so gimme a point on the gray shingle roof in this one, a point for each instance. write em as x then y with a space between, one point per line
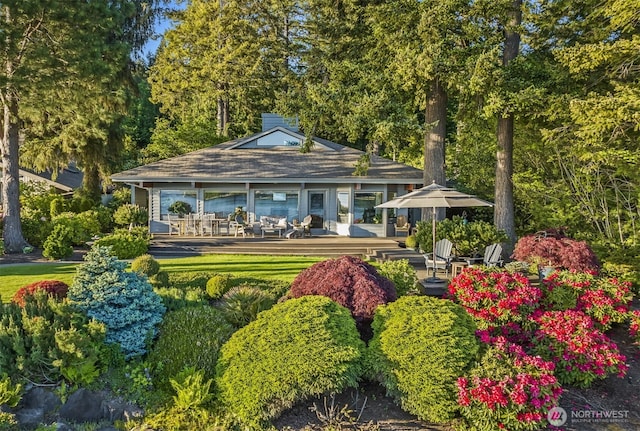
229 162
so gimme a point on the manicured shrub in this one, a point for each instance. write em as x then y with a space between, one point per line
145 264
495 297
125 244
411 242
218 285
189 337
508 389
83 226
402 274
58 243
553 248
56 289
350 282
241 304
421 345
606 300
581 353
298 349
124 301
161 279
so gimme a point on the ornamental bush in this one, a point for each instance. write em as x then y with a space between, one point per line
553 248
241 304
125 244
83 225
218 285
421 345
174 298
634 326
189 337
605 299
402 274
54 288
298 349
350 282
145 264
58 243
124 301
469 239
47 339
581 353
495 297
508 389
130 215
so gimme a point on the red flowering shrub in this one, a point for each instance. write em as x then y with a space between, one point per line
349 281
634 325
581 352
606 300
55 288
553 248
495 297
508 389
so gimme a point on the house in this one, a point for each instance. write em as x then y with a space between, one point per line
267 175
65 182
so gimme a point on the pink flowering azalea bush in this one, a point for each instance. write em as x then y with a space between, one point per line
606 300
634 325
495 297
553 248
581 353
508 389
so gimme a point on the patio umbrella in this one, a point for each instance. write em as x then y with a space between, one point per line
435 196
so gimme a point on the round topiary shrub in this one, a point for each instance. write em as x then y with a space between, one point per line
420 346
124 301
145 264
350 282
218 285
189 337
241 304
54 288
298 349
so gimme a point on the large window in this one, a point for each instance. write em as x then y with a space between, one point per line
343 207
365 210
278 204
225 203
168 197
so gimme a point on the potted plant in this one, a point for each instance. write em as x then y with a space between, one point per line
180 207
552 249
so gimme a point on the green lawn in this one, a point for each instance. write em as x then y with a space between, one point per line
250 266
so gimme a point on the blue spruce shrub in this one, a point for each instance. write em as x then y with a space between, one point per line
298 349
420 346
124 301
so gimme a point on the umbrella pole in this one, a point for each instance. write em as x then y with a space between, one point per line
433 236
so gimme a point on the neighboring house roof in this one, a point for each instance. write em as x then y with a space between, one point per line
272 156
67 180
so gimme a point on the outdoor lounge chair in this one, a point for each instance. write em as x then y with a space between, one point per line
306 225
492 256
402 225
240 227
174 225
441 258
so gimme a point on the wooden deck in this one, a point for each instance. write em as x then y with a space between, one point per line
380 249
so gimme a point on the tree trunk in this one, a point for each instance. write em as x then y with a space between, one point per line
12 233
436 123
91 184
504 214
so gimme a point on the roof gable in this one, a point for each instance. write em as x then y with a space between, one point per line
276 137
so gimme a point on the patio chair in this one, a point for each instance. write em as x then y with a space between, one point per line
192 224
441 257
402 225
174 225
240 227
492 256
306 225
